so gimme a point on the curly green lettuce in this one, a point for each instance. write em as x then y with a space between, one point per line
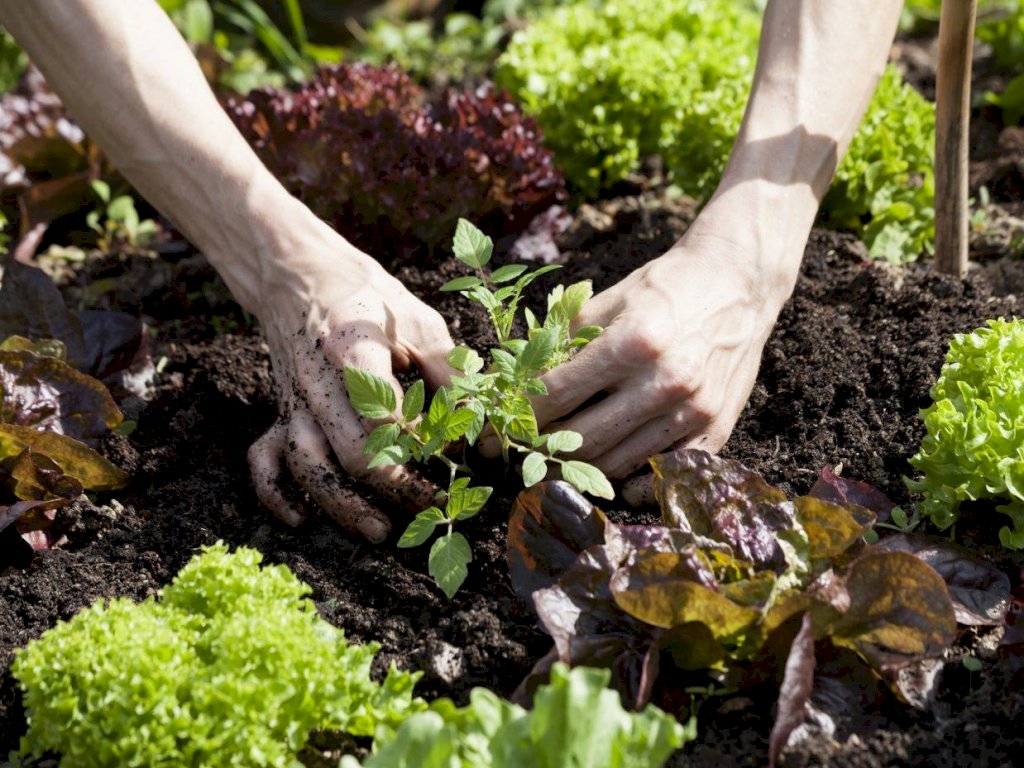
974 446
613 82
231 666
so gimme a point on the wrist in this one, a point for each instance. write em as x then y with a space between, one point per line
758 231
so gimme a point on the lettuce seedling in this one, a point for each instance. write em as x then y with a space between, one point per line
498 397
229 666
975 426
576 721
736 585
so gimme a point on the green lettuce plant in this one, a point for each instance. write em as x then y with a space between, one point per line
229 666
975 429
613 82
497 396
576 722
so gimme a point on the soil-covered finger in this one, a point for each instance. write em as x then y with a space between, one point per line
266 464
311 461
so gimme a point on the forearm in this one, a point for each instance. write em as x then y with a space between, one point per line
818 65
127 76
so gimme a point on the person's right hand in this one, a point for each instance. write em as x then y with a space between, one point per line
323 309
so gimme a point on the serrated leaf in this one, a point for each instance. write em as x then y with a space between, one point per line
535 468
421 527
504 363
586 334
382 437
472 247
412 403
459 423
370 395
75 459
447 562
507 272
537 353
535 387
463 503
463 283
479 419
564 441
520 421
393 454
587 479
575 297
464 359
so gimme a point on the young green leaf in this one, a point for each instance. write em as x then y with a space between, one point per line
535 468
459 423
537 353
382 437
572 301
447 562
535 387
587 333
479 412
464 359
587 478
508 272
412 404
472 247
463 283
466 502
370 395
421 527
564 441
393 454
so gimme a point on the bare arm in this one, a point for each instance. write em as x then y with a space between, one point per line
125 73
685 332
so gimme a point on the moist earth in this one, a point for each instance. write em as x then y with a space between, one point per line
842 379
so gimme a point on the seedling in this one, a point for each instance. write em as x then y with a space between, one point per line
498 397
116 220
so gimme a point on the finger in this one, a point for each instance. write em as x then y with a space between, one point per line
652 438
572 383
346 434
621 413
310 460
266 459
430 352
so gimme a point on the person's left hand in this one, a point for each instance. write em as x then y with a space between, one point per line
676 362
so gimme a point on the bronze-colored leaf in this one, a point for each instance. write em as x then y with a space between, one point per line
842 490
550 524
31 475
47 394
43 347
899 610
692 646
831 528
667 589
795 693
980 591
722 500
75 459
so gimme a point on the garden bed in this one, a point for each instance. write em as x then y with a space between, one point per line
841 382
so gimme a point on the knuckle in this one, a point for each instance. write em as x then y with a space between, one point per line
676 383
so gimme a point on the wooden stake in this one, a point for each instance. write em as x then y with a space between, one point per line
952 121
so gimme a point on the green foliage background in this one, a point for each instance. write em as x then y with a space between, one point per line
615 82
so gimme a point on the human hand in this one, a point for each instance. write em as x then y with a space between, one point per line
337 307
676 362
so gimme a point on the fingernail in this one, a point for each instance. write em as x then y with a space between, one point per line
373 529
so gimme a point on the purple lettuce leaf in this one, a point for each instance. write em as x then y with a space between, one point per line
979 590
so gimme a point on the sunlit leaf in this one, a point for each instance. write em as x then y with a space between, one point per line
449 557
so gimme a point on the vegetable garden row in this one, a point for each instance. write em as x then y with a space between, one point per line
840 586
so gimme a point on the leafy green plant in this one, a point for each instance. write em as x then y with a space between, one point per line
242 48
230 666
117 222
975 426
613 82
576 722
12 61
737 584
466 48
498 397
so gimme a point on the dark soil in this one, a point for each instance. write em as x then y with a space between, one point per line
842 379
